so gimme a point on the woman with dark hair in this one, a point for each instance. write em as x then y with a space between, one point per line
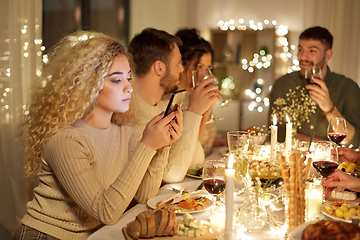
197 54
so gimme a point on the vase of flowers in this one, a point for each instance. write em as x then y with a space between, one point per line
297 104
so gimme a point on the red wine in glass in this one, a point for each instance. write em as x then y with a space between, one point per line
214 178
325 168
336 137
214 185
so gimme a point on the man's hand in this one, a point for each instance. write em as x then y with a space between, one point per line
320 94
347 154
203 96
340 179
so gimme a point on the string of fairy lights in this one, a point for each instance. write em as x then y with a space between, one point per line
31 48
261 59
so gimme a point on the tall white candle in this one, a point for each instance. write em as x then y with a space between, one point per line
230 179
288 136
274 130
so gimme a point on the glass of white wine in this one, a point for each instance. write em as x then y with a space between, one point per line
238 143
197 77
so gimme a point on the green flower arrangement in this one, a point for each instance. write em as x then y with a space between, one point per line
297 105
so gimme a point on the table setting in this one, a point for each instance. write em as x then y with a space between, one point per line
251 190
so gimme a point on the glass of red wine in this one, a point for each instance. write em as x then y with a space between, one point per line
336 131
214 178
326 159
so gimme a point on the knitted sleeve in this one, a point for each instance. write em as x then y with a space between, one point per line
151 182
72 163
182 151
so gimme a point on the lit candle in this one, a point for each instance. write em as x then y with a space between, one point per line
288 136
274 130
230 179
313 200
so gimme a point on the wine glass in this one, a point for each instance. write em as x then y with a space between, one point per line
238 143
326 159
336 130
197 77
214 178
314 73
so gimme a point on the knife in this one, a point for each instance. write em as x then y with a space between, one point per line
200 186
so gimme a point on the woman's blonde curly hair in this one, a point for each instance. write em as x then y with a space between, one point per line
72 80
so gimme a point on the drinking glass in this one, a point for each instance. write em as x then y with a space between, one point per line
214 178
314 199
314 73
197 77
325 161
336 131
253 214
238 143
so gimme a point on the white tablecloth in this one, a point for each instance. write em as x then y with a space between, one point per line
110 232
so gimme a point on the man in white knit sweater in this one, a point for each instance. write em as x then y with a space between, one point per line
158 66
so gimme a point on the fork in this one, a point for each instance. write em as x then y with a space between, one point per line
182 190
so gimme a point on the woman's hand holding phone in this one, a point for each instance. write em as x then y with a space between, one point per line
163 131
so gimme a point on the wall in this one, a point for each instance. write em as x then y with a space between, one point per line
204 14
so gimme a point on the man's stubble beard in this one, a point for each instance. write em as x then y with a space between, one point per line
321 63
168 82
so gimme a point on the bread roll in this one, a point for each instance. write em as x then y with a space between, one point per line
150 220
149 223
141 217
161 221
172 223
134 229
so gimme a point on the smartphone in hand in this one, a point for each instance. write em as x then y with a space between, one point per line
175 101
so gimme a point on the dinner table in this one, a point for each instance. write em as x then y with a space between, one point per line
191 184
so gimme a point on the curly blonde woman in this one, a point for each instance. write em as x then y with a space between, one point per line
88 170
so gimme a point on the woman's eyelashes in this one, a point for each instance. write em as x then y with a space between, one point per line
116 81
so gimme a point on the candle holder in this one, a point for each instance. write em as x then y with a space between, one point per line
217 221
313 198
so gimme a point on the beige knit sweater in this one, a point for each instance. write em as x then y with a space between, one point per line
89 176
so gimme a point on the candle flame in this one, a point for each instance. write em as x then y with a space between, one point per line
274 120
231 161
287 118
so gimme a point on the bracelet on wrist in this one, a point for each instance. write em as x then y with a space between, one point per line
332 109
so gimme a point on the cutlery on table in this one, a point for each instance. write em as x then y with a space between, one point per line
200 186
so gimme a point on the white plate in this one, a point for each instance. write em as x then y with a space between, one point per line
193 176
332 217
153 201
296 233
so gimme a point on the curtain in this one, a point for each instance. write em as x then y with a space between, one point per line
20 64
342 19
